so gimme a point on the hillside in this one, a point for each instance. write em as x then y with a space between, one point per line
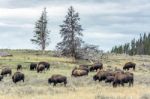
36 86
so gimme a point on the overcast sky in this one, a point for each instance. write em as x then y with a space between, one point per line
105 22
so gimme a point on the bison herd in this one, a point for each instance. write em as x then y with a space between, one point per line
115 77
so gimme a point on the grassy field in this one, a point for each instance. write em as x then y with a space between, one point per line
36 86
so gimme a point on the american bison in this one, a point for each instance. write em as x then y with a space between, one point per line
1 77
96 67
121 78
57 78
19 67
79 72
33 66
46 64
6 71
129 65
40 68
18 76
102 75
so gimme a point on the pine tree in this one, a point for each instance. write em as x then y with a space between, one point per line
40 37
71 34
140 46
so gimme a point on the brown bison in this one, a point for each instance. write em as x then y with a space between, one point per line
46 64
122 78
129 65
18 76
96 67
102 75
6 71
19 67
33 66
57 79
40 68
79 72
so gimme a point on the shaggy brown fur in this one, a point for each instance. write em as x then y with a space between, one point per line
18 76
57 78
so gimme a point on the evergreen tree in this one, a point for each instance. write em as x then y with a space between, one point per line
40 37
133 47
71 34
140 46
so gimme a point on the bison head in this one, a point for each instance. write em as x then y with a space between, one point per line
95 77
49 80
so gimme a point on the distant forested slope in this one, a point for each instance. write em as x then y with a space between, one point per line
140 46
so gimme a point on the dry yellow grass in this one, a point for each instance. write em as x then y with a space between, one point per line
101 92
36 86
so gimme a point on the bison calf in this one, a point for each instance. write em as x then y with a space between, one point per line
18 76
57 79
6 71
40 68
33 66
19 67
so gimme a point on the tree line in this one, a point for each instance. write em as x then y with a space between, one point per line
141 46
72 44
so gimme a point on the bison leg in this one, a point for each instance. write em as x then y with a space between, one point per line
114 84
99 80
65 82
54 84
134 68
122 84
130 83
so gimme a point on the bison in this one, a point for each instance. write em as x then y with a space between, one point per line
18 76
96 67
79 72
19 67
129 65
40 68
102 75
46 64
33 66
57 78
122 78
6 71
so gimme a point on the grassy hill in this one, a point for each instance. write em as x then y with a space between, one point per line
36 86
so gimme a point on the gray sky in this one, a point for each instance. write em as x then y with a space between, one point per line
105 22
